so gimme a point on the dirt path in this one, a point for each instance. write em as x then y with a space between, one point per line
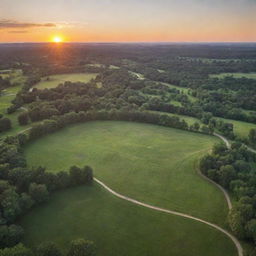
226 195
250 149
223 139
235 241
24 130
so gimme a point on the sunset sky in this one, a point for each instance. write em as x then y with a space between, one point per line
128 20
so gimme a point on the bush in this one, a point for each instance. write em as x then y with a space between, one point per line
5 124
81 247
38 192
48 249
23 118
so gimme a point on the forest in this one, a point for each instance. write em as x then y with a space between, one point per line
166 85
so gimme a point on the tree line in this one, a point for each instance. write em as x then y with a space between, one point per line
22 188
234 169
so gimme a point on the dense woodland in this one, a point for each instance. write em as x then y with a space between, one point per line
234 169
176 82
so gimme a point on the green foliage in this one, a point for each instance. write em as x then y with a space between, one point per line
48 249
234 170
252 136
5 124
81 247
18 250
80 176
23 118
38 192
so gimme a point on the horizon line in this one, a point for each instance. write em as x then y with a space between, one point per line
135 42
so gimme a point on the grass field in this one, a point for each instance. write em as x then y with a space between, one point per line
15 75
120 228
150 163
183 90
55 80
241 129
7 96
137 75
236 75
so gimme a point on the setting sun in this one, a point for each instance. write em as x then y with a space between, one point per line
57 39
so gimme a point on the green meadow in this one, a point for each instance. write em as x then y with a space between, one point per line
236 75
241 128
150 163
182 90
120 228
54 80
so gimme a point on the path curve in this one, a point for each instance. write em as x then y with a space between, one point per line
250 149
227 143
233 238
223 190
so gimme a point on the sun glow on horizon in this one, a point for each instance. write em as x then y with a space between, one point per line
57 39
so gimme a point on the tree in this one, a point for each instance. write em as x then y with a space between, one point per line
252 136
219 148
26 202
18 250
10 204
5 124
15 234
23 118
226 175
81 247
251 229
10 235
236 223
80 176
48 249
38 192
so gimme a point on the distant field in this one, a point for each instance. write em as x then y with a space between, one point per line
5 102
137 75
209 60
120 228
183 90
55 80
6 97
236 75
241 129
150 163
190 120
16 76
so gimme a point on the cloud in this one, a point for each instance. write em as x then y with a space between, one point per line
18 32
9 24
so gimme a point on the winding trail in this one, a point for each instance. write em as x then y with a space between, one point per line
250 149
223 190
223 139
233 238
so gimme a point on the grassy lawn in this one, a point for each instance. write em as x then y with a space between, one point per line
55 80
189 119
6 98
150 163
236 75
15 75
120 228
241 129
183 90
137 75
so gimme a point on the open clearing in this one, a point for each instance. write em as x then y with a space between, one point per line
119 227
153 164
241 129
55 80
236 75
